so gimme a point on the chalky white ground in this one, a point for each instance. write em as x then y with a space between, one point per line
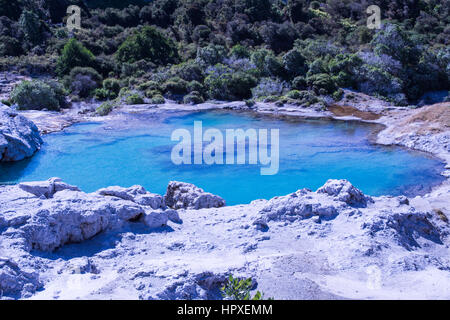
57 242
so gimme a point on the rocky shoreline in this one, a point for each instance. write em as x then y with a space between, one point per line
335 243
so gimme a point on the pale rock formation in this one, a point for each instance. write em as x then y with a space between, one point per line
181 195
19 137
15 281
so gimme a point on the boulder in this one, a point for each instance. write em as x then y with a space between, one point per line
344 191
332 199
300 205
46 188
136 194
16 282
19 137
72 216
156 219
181 195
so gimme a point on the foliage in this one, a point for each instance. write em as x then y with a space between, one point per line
294 63
158 99
134 98
304 45
147 44
269 87
74 54
82 81
30 24
175 85
109 90
193 98
239 289
105 108
10 46
38 95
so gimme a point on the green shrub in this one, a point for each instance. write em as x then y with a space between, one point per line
74 54
239 289
294 63
38 95
158 99
239 51
101 94
294 94
10 46
241 84
210 55
148 85
7 102
195 86
110 89
337 95
249 103
148 44
193 98
152 93
322 83
189 71
271 98
30 24
176 85
82 81
134 98
105 108
299 83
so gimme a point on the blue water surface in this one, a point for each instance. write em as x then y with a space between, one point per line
138 151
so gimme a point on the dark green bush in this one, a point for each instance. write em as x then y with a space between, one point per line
10 46
321 83
193 98
294 63
38 95
195 86
148 44
240 51
30 24
134 98
105 108
158 99
241 84
148 85
176 86
82 81
74 54
239 289
110 89
299 83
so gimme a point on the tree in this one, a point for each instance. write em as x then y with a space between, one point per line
294 63
147 44
295 10
31 26
74 54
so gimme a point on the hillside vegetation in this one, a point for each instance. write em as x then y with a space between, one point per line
296 51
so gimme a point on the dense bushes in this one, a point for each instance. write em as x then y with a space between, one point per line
74 54
105 108
192 50
109 90
82 81
38 95
148 43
